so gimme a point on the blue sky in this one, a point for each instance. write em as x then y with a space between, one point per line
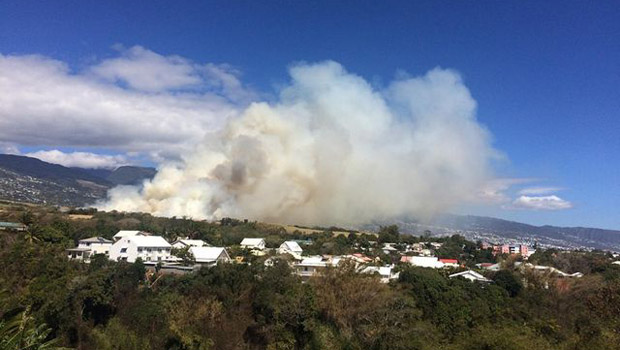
545 75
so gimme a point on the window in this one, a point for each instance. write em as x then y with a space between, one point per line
123 250
140 249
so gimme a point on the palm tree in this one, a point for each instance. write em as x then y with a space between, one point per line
21 333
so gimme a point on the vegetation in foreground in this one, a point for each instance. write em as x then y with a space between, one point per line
49 301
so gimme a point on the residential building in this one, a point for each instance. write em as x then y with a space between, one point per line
511 249
187 243
88 247
386 273
307 241
314 265
358 258
423 261
210 255
548 269
501 249
519 249
449 262
292 248
253 243
147 248
489 266
389 248
471 275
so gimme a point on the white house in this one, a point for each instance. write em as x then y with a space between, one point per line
127 233
385 272
88 247
616 262
148 248
450 263
313 265
389 248
291 247
209 255
186 243
253 243
423 261
550 269
471 275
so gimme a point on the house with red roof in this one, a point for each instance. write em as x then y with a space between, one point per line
450 262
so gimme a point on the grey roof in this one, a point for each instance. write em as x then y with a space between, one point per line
96 240
78 249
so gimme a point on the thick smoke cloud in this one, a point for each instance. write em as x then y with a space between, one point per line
332 150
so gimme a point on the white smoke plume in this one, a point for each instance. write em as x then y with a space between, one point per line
332 150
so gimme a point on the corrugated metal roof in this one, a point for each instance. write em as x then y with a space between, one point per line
207 254
292 246
252 242
95 240
128 233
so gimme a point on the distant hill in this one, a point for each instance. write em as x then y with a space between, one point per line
130 175
499 231
36 168
32 180
124 175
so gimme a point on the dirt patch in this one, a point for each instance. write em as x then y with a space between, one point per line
80 217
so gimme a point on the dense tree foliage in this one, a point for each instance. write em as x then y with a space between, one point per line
109 305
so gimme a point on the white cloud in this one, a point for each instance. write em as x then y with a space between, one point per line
80 159
44 103
146 70
226 79
541 203
494 191
539 190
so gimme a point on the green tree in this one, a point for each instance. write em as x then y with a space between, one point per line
509 281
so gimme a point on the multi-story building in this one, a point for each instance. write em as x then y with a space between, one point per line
88 247
511 249
147 248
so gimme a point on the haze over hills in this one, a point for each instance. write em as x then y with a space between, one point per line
124 175
32 180
29 179
504 231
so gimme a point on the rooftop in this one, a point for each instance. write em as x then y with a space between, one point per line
207 254
252 241
293 246
149 241
95 240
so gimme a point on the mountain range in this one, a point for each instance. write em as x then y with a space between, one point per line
499 231
27 179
